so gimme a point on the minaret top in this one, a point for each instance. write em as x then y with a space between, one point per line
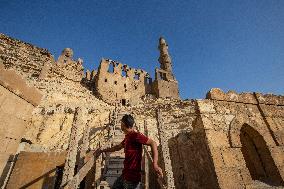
164 59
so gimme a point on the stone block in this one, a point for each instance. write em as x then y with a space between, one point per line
230 178
270 99
216 154
216 94
268 139
277 154
281 171
16 128
279 135
246 177
3 95
4 144
223 107
35 166
252 110
24 110
206 106
17 85
232 157
217 138
12 146
8 105
207 122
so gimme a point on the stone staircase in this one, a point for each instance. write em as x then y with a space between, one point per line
114 161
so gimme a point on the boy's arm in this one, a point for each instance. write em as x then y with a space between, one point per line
154 148
111 149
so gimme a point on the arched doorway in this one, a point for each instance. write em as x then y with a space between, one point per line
258 158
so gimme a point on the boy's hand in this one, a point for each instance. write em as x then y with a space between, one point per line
158 170
98 152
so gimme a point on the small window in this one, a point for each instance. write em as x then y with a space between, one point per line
115 82
148 80
124 85
124 73
105 80
135 87
136 77
123 102
111 68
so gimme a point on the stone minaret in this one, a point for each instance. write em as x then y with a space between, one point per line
165 59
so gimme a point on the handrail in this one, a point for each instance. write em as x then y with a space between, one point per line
81 174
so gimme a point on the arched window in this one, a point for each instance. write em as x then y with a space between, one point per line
258 158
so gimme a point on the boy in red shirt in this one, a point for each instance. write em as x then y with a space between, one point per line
132 144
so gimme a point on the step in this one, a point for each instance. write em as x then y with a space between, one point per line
117 155
116 161
111 180
114 172
104 185
115 166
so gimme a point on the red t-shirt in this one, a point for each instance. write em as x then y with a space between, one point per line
133 155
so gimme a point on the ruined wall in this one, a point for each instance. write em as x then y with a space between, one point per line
17 101
177 118
24 58
65 67
191 161
228 116
59 83
36 170
112 87
165 84
164 89
52 119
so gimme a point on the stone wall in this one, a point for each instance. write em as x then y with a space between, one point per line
228 140
113 87
164 89
24 58
17 101
36 170
245 137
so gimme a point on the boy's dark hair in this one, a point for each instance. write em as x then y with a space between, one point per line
128 120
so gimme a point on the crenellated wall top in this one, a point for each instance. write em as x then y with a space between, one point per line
249 98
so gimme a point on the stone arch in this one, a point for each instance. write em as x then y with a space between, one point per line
235 131
258 157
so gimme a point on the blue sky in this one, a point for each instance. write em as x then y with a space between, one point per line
230 44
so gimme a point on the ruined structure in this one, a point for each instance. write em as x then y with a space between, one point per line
165 85
117 83
52 116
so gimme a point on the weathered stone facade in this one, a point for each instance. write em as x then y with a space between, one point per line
227 140
117 83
